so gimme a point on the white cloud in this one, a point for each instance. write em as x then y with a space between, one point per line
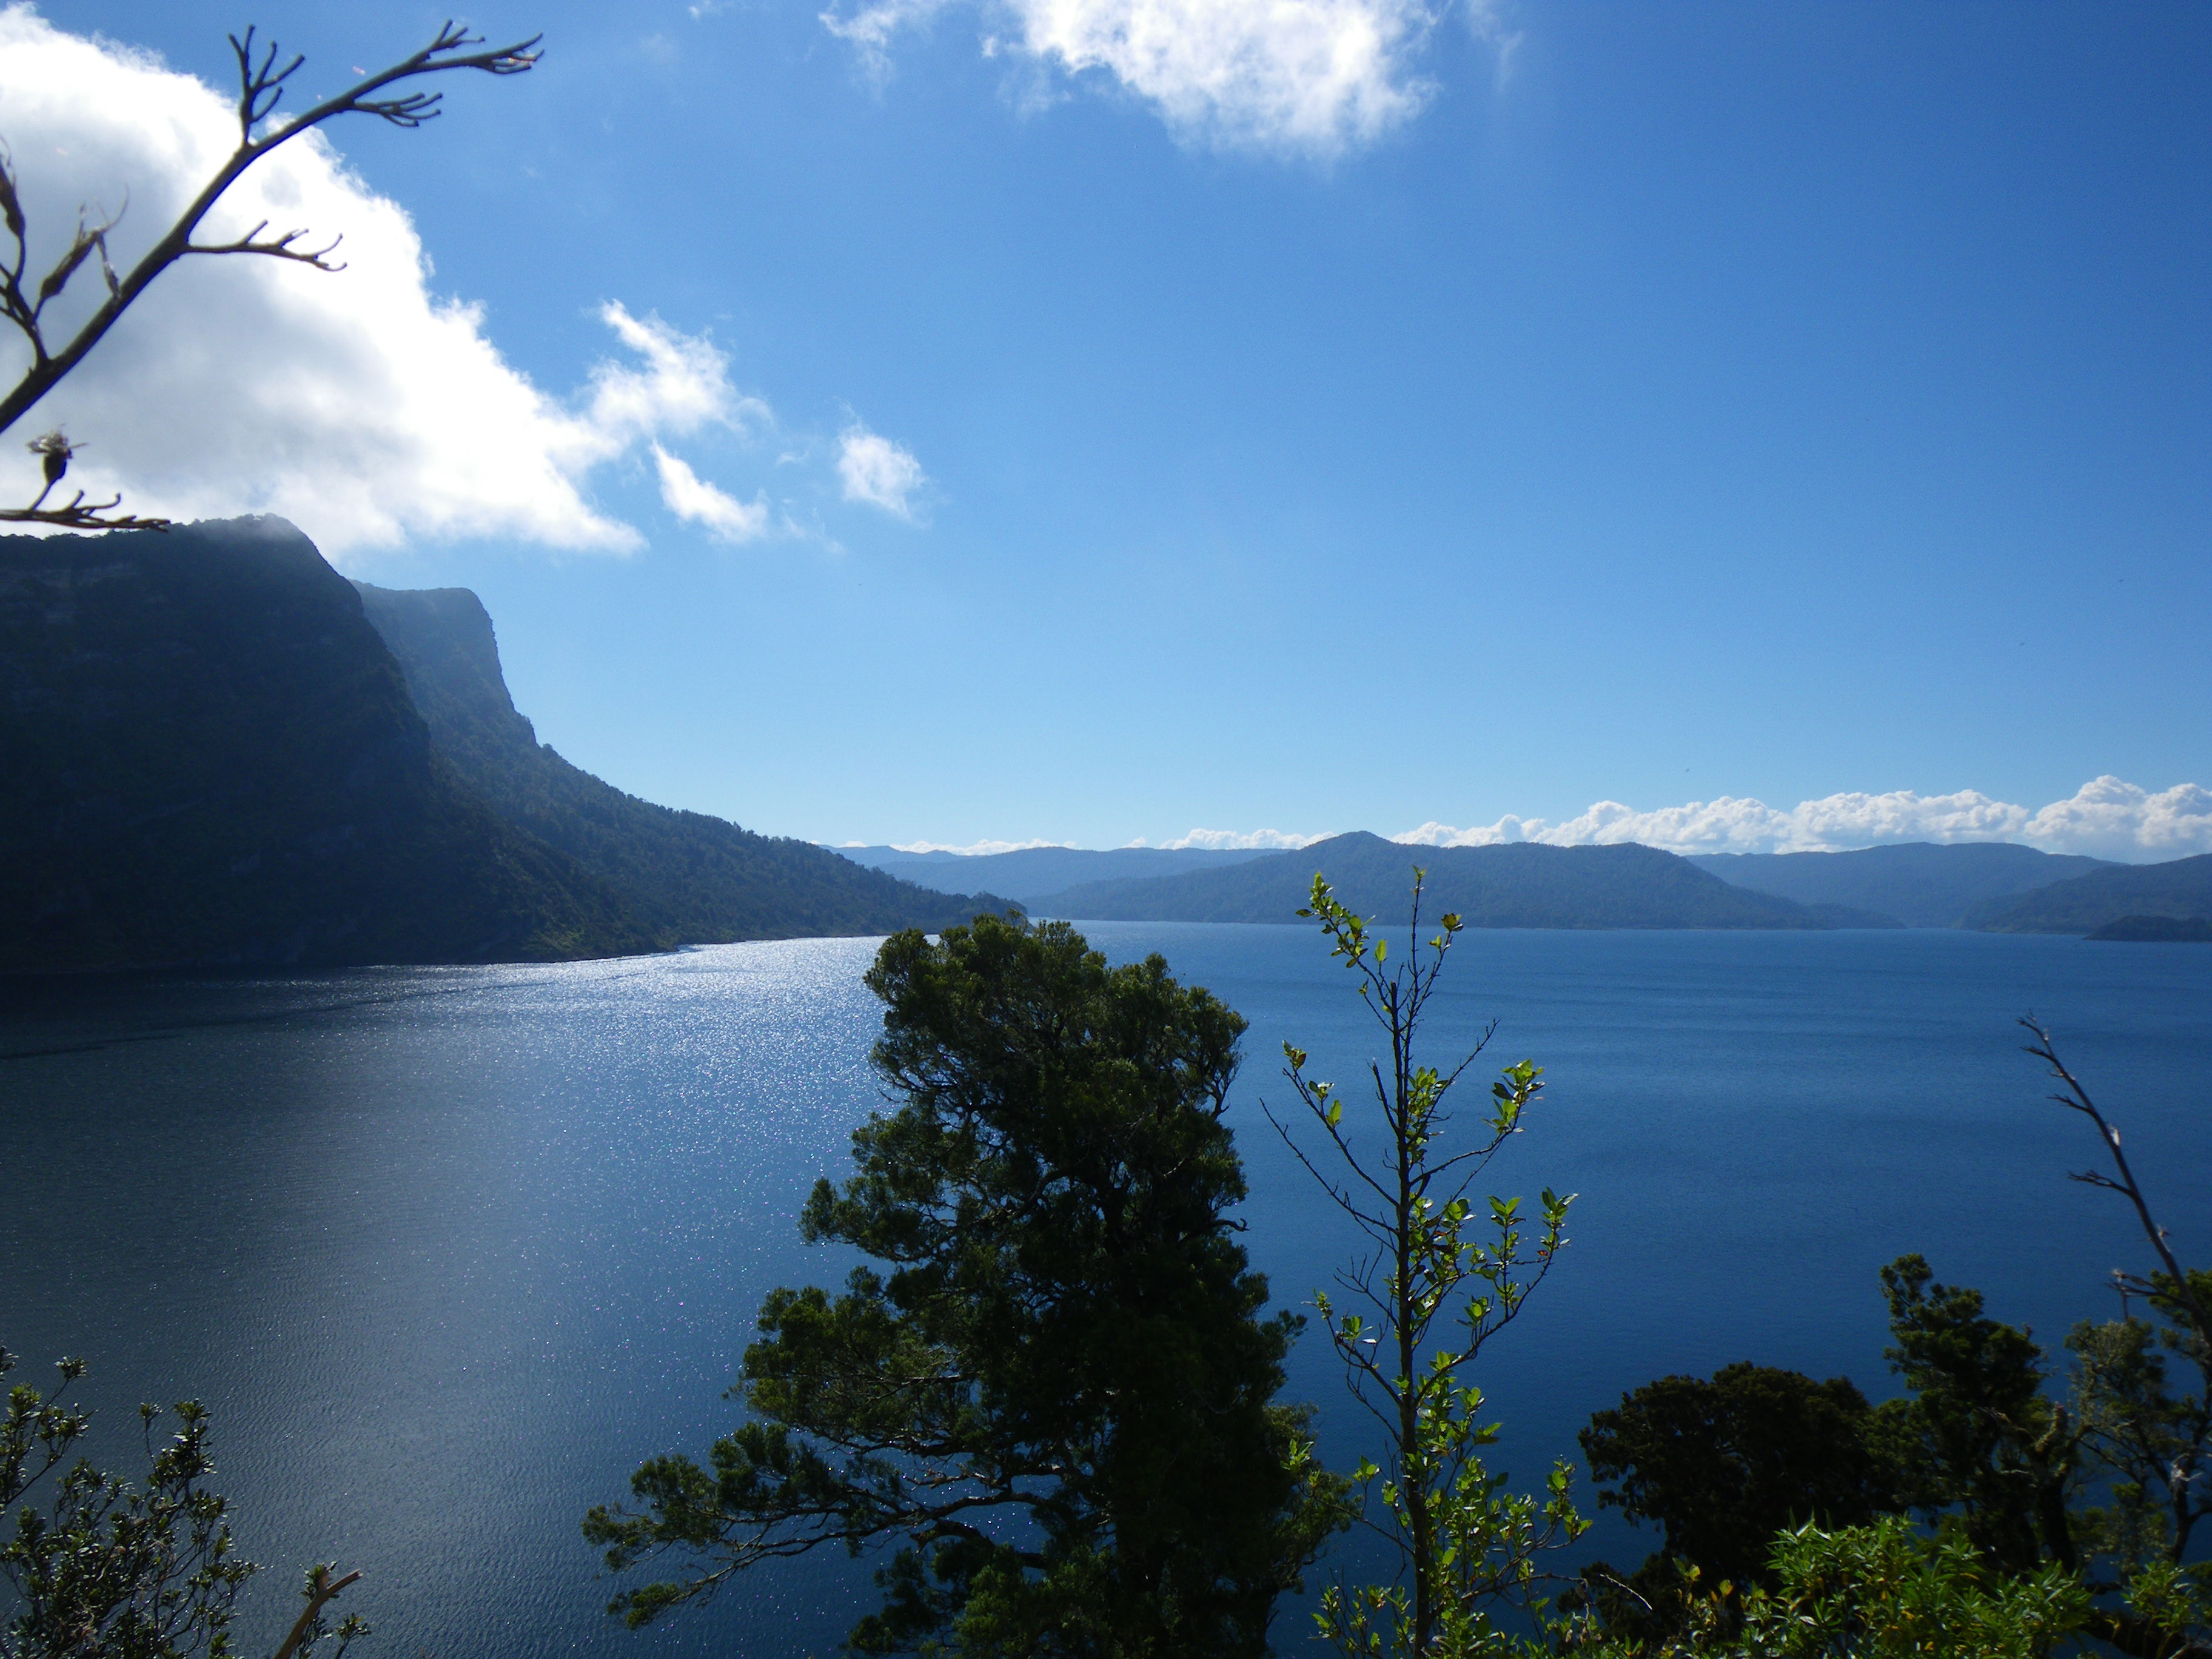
682 384
871 29
876 471
2114 820
360 405
692 499
2106 817
1316 76
1227 840
973 850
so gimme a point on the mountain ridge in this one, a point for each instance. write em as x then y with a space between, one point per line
698 879
1515 884
214 762
1920 883
1026 874
2178 891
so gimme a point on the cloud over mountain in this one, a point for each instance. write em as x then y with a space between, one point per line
2106 817
1316 76
1223 841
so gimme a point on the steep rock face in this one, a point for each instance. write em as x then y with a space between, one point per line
211 759
701 879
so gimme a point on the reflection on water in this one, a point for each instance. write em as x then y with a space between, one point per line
449 1250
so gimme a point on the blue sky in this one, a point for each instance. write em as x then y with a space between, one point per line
1660 404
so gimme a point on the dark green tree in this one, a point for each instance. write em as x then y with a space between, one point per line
91 1567
1981 1439
1722 1466
1056 1402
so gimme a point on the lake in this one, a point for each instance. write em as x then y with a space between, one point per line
449 1250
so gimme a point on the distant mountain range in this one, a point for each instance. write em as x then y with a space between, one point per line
1522 885
1920 885
2123 901
1031 873
1990 885
214 759
220 753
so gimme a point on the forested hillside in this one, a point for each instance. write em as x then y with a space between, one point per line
2179 890
211 760
698 879
1028 874
1520 885
1920 883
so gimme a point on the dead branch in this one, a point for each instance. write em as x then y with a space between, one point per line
261 88
79 515
2179 1291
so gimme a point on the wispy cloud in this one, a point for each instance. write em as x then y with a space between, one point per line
1312 77
879 471
691 498
680 383
973 850
871 29
1228 840
2106 817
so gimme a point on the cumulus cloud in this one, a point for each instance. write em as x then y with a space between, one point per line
691 498
1313 76
2106 817
1227 840
876 471
361 405
2114 819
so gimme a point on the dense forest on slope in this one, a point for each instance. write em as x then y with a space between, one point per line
1030 873
1920 883
1519 885
2158 929
696 878
2179 890
212 760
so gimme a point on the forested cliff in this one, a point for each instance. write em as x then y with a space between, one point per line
214 759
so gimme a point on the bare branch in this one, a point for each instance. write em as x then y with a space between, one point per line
2074 1098
261 88
277 246
81 516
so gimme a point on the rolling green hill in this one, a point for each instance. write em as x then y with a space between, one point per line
1519 885
211 760
2179 890
695 879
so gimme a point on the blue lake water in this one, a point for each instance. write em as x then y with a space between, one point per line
449 1250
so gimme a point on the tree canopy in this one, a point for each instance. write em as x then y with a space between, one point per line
1055 1398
